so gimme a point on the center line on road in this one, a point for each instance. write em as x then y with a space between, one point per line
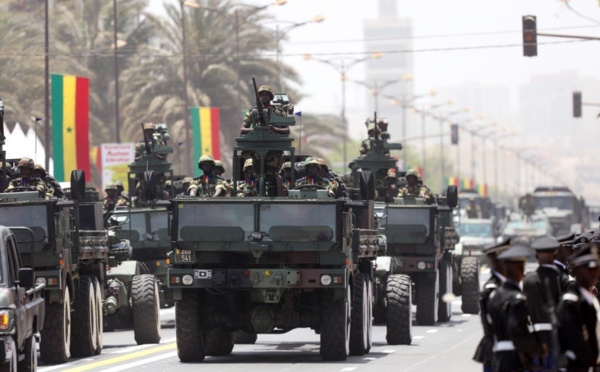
431 331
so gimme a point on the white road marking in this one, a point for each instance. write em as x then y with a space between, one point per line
418 337
369 358
168 311
466 315
128 366
431 331
348 369
388 351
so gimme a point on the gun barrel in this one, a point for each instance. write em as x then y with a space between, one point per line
259 106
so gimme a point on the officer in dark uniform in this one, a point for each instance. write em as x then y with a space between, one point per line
514 346
543 289
484 353
565 251
578 314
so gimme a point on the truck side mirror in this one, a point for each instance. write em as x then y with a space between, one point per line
78 184
26 277
150 183
452 196
367 185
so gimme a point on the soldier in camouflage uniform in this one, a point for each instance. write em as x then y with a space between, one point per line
121 190
219 168
51 182
325 174
392 182
286 174
154 139
207 185
112 198
28 180
186 185
311 167
382 125
366 144
415 188
248 186
272 158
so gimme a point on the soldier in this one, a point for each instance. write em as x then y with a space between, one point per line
325 174
166 192
185 186
153 140
577 314
121 190
219 168
543 289
561 259
366 144
207 184
51 182
416 189
311 167
299 169
286 174
484 352
28 180
514 347
528 206
248 187
392 182
473 210
112 199
266 95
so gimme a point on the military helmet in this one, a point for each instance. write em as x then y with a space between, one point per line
219 166
168 183
268 89
248 163
286 165
26 163
310 161
206 158
119 184
413 172
391 173
39 168
149 126
111 186
187 180
371 127
322 163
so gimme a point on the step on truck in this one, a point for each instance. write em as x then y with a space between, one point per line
270 264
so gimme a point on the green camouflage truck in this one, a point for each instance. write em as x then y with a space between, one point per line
270 264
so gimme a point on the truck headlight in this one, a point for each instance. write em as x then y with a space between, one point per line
325 279
40 280
187 279
421 265
6 321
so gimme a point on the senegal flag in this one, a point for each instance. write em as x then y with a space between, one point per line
70 126
206 132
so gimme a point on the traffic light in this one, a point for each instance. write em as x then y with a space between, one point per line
454 134
529 36
577 104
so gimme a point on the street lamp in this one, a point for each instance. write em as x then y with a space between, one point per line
342 68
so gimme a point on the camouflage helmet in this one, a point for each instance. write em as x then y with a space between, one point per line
286 165
413 172
206 158
26 163
310 161
268 89
219 166
119 184
322 163
39 168
187 180
248 163
371 127
111 186
149 126
168 183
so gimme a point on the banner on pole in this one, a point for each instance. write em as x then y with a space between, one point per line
115 158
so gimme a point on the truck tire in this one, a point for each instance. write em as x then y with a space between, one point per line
244 338
191 339
445 308
335 329
29 364
469 274
399 310
84 329
99 317
55 346
219 342
427 298
360 317
145 305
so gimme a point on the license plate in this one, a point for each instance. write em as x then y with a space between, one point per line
183 255
203 274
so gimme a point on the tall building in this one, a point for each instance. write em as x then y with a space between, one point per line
390 34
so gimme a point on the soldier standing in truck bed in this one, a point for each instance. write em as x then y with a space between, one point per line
415 188
248 187
207 184
51 182
28 180
153 138
311 167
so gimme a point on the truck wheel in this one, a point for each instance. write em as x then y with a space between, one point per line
399 311
359 324
427 298
445 308
379 307
335 329
241 338
29 364
55 347
99 317
146 309
219 342
84 330
191 341
469 273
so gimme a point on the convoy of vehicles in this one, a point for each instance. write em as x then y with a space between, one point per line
564 210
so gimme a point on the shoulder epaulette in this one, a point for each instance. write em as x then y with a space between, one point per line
491 286
570 297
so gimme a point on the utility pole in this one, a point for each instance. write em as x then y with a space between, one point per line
46 90
188 149
117 129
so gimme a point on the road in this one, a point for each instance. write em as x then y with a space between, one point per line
445 346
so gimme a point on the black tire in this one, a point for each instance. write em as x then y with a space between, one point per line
244 338
335 329
219 342
99 317
427 298
84 330
191 341
359 324
370 318
445 308
399 310
469 273
29 364
145 305
55 346
379 310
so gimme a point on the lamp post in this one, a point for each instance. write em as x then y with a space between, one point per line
496 139
378 87
342 68
442 119
462 126
424 113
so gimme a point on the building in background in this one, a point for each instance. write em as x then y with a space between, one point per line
389 33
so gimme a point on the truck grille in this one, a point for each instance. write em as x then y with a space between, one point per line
267 258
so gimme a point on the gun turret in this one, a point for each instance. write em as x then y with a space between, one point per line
262 119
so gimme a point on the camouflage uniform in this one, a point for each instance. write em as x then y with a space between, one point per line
275 109
309 180
109 203
121 189
31 181
207 184
285 181
334 185
53 185
186 185
417 190
154 140
473 211
248 187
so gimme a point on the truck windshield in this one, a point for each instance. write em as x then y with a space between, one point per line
136 228
408 216
475 229
211 215
298 221
560 202
32 216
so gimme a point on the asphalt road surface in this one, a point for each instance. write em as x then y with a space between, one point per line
445 347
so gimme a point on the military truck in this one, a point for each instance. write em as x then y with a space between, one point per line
22 307
565 211
270 264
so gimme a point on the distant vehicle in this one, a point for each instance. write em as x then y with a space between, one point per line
594 213
527 231
475 234
485 204
565 211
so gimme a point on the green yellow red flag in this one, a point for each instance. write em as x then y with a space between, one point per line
206 133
